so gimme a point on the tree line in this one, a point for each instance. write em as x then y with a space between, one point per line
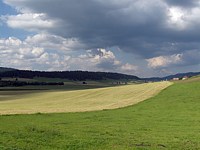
23 83
71 75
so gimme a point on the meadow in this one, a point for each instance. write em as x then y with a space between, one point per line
48 101
169 120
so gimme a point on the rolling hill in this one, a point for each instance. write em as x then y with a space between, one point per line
169 120
70 75
170 77
3 69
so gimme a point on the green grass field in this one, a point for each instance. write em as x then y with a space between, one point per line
170 120
77 100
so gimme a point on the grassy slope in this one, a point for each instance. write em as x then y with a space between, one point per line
192 79
169 120
79 100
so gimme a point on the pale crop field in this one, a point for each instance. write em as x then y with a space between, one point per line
78 100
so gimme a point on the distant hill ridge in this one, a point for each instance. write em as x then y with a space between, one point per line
84 75
170 77
3 69
71 75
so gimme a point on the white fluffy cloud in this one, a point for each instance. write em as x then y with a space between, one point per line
26 55
164 61
188 58
128 67
30 21
183 19
50 52
104 60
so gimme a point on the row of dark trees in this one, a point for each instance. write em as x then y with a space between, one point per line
23 83
71 75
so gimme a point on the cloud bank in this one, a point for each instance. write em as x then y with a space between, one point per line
162 33
50 52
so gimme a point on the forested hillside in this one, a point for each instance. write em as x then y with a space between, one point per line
71 75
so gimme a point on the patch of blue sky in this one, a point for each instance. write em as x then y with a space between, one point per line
5 30
6 9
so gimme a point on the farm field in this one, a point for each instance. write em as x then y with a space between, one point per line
170 120
18 102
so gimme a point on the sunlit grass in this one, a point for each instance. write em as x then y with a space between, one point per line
170 120
77 100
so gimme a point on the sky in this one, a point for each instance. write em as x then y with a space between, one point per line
140 37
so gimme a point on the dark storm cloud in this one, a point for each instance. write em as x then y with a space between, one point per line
140 26
183 3
191 57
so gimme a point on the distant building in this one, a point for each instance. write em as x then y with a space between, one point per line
185 77
175 79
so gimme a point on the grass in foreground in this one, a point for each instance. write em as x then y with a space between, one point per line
78 100
169 120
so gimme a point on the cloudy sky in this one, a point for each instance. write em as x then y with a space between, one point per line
139 37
